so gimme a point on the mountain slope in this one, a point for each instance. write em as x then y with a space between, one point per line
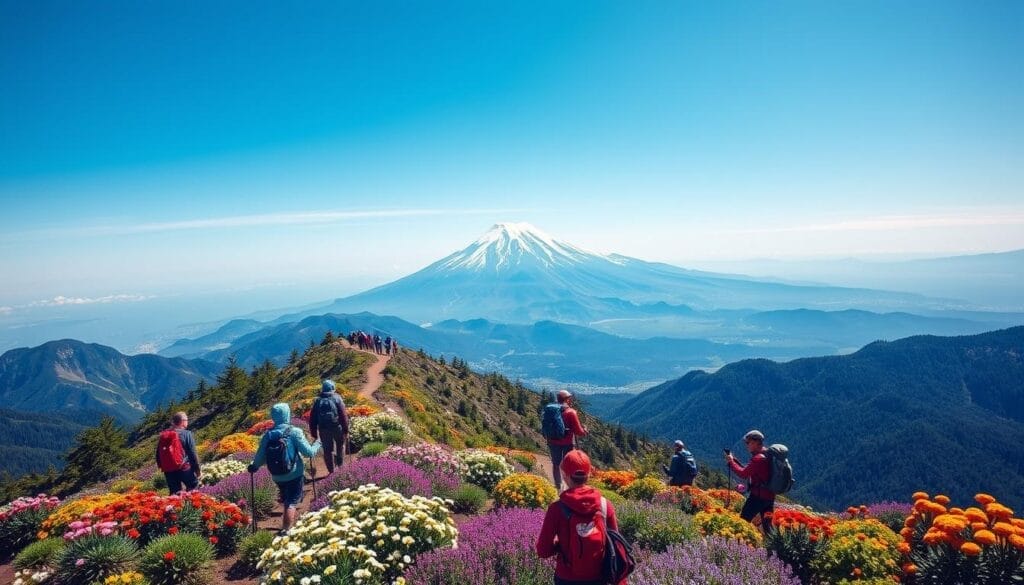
868 426
69 376
517 274
32 442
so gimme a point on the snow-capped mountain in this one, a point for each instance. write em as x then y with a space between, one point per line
515 273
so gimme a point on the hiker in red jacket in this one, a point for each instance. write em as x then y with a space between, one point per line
560 447
760 499
573 529
176 455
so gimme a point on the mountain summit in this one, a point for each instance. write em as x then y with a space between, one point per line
510 246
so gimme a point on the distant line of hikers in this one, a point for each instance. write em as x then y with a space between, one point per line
580 527
374 343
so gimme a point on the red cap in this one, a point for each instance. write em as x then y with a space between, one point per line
576 464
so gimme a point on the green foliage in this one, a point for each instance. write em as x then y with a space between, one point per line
612 496
178 559
35 441
251 547
797 548
98 454
865 545
20 529
654 527
469 499
393 437
525 460
93 558
373 448
125 485
39 554
159 481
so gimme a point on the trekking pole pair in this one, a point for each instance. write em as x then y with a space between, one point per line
312 474
252 499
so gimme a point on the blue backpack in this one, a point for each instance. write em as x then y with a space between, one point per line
280 458
552 425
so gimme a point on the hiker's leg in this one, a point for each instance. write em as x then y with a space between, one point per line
557 453
188 478
173 481
291 495
327 443
339 447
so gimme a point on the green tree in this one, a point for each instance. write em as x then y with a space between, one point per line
293 358
233 381
98 453
261 387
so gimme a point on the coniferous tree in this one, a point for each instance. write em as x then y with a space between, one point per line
233 381
98 453
293 358
328 338
261 387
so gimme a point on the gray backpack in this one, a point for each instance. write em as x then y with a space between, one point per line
782 472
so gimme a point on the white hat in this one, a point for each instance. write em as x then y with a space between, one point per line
755 434
679 443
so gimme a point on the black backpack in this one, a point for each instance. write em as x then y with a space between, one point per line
280 459
326 412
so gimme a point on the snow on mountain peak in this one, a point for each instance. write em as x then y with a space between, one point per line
508 245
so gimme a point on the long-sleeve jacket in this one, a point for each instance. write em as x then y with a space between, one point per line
314 424
188 444
298 445
572 427
757 473
583 500
683 468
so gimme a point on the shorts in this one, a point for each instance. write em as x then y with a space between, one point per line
291 491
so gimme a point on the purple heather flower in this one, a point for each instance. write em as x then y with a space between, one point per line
713 560
400 477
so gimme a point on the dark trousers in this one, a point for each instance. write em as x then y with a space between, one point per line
177 479
557 453
680 483
332 440
754 506
560 581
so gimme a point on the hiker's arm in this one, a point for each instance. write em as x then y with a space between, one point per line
261 455
190 452
546 541
342 416
572 422
312 424
743 472
302 445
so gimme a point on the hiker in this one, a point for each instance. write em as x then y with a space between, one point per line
683 468
757 472
329 422
282 448
176 455
394 347
387 345
572 529
560 426
378 346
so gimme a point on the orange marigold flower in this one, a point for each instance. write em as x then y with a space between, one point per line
1017 541
935 509
904 548
857 572
997 510
1004 529
950 524
970 549
910 569
984 499
920 496
984 537
940 499
976 526
976 515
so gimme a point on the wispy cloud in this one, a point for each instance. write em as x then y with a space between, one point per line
62 301
901 223
257 220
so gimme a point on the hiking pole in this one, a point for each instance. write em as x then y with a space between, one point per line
312 473
252 499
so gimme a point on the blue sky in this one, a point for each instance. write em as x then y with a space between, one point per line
150 148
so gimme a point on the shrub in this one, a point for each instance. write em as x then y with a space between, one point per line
218 470
726 498
652 527
484 469
644 489
524 490
525 459
366 429
437 461
233 444
713 560
385 473
614 497
798 539
386 532
468 499
727 524
40 554
865 549
56 523
373 449
494 549
251 547
126 485
177 559
689 499
159 482
615 480
93 558
21 520
393 438
237 488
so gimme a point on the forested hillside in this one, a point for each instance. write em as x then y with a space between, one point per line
868 426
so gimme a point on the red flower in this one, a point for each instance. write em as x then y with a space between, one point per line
168 556
213 539
172 530
133 533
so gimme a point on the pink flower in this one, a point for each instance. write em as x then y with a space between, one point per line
79 562
741 487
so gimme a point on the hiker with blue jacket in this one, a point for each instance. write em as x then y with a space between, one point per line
282 449
329 422
560 425
683 468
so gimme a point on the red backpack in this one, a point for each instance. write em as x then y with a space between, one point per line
170 455
596 552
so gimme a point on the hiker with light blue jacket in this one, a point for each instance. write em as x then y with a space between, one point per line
282 449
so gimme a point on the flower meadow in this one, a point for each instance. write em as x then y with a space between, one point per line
218 470
386 473
483 468
366 429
